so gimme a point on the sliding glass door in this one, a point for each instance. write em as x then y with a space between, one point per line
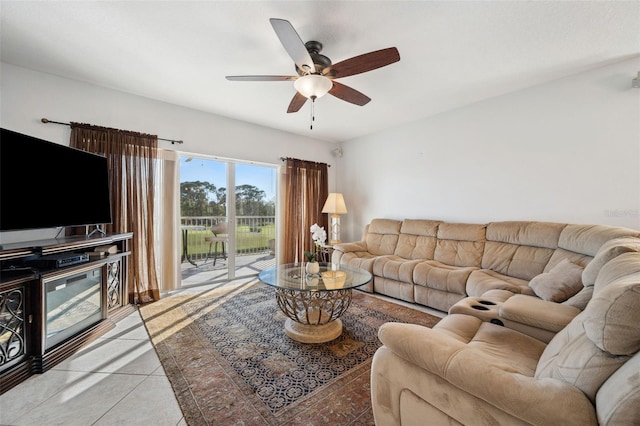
226 237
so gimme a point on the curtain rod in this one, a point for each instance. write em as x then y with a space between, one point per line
289 158
46 120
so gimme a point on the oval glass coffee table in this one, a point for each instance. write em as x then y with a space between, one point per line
313 303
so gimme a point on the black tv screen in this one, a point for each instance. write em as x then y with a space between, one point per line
46 185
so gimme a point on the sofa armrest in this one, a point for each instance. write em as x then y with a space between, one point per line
350 247
537 313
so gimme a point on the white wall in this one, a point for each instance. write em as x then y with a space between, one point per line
28 96
565 151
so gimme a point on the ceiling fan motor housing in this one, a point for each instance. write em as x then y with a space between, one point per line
320 61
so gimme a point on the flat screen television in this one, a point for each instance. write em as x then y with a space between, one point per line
47 185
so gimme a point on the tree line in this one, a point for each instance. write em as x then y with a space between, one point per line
205 199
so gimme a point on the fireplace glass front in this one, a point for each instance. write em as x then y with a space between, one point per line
73 302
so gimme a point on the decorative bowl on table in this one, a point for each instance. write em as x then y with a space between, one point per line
333 279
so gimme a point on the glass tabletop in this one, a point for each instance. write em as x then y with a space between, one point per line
332 276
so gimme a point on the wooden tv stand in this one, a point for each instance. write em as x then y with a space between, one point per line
24 346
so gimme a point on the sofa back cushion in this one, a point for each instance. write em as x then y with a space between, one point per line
608 251
587 239
580 243
460 244
520 249
382 236
573 358
417 239
616 298
604 336
622 266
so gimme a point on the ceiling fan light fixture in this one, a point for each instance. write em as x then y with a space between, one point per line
313 86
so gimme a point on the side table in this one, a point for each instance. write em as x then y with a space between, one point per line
324 253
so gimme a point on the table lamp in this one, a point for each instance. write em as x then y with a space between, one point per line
335 206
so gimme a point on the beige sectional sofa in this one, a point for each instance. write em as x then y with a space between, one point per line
477 269
543 325
472 372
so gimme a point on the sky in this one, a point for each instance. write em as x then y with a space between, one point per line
206 170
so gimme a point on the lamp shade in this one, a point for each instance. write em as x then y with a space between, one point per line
313 86
334 204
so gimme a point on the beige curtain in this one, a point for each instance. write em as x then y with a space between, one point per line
169 244
131 157
306 189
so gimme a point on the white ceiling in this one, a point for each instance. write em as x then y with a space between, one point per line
453 53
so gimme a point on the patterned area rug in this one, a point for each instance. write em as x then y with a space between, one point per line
229 361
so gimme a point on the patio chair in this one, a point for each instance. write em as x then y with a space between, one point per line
220 235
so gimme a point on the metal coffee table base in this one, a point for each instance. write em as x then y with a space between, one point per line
313 316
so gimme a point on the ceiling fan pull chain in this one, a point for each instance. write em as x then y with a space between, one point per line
313 115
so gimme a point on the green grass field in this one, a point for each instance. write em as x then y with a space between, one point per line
246 242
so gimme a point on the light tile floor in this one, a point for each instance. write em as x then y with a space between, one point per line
116 380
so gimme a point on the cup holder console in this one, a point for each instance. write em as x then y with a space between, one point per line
486 310
480 307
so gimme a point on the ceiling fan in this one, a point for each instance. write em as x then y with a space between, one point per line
316 74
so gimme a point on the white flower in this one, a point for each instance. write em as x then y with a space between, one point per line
318 234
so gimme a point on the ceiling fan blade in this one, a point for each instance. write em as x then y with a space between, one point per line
296 103
293 44
261 77
348 94
363 63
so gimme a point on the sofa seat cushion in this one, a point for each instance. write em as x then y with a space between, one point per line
440 276
395 268
494 364
482 280
559 284
501 347
362 260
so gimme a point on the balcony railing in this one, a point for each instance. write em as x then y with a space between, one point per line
254 234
